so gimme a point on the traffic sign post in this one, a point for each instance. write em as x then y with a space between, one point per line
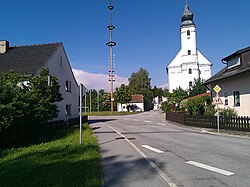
217 100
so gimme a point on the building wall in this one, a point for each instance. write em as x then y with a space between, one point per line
178 70
122 107
228 86
58 65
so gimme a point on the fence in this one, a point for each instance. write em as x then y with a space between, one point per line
234 123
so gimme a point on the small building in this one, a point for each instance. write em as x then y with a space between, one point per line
234 81
28 60
189 63
135 105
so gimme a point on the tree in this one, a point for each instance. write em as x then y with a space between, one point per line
177 96
123 94
25 102
197 88
139 83
158 92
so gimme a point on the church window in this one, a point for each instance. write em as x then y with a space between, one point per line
189 71
188 33
190 84
189 52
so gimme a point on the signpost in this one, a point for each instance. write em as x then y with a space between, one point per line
217 100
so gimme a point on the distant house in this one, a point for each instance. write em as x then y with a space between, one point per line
28 60
135 105
234 81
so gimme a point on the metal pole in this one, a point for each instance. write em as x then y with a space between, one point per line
90 101
85 98
81 89
218 119
98 101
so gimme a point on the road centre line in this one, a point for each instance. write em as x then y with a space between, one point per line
152 149
135 119
207 167
153 165
161 124
147 121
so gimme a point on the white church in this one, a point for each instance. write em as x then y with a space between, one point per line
189 63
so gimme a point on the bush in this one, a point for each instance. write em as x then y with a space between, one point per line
196 106
209 110
228 112
165 106
26 102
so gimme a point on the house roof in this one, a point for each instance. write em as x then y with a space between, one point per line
236 53
226 73
26 59
137 99
199 95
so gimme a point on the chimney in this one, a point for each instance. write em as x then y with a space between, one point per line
4 46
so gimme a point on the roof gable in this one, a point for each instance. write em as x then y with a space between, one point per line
26 59
137 99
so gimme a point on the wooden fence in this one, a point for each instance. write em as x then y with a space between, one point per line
234 123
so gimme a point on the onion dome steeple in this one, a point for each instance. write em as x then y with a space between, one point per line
187 17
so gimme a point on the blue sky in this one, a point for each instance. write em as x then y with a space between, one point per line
147 32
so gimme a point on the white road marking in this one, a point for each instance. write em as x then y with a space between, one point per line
157 169
152 149
147 121
204 166
161 124
135 119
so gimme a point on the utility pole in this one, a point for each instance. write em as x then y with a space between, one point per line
111 44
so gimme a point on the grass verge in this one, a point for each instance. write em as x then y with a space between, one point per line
60 162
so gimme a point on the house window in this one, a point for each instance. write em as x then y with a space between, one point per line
188 33
236 98
189 52
189 71
68 86
68 110
61 61
190 84
226 98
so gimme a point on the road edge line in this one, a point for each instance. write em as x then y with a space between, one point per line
153 165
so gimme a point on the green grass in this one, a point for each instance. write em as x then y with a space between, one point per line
60 162
108 113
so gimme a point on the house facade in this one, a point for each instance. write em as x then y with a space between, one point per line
189 63
135 105
28 60
234 82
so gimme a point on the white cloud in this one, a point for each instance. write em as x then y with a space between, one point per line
163 86
97 81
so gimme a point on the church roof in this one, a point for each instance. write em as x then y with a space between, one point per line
26 59
187 17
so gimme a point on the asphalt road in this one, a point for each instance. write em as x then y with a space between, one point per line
145 150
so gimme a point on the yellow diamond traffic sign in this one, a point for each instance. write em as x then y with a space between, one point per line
217 89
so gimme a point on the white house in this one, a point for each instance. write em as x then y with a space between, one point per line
189 63
135 105
28 60
234 81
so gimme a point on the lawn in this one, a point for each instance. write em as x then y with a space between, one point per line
61 161
108 113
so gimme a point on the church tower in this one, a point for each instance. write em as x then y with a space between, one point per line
189 64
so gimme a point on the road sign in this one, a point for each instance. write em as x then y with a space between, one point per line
217 89
217 100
